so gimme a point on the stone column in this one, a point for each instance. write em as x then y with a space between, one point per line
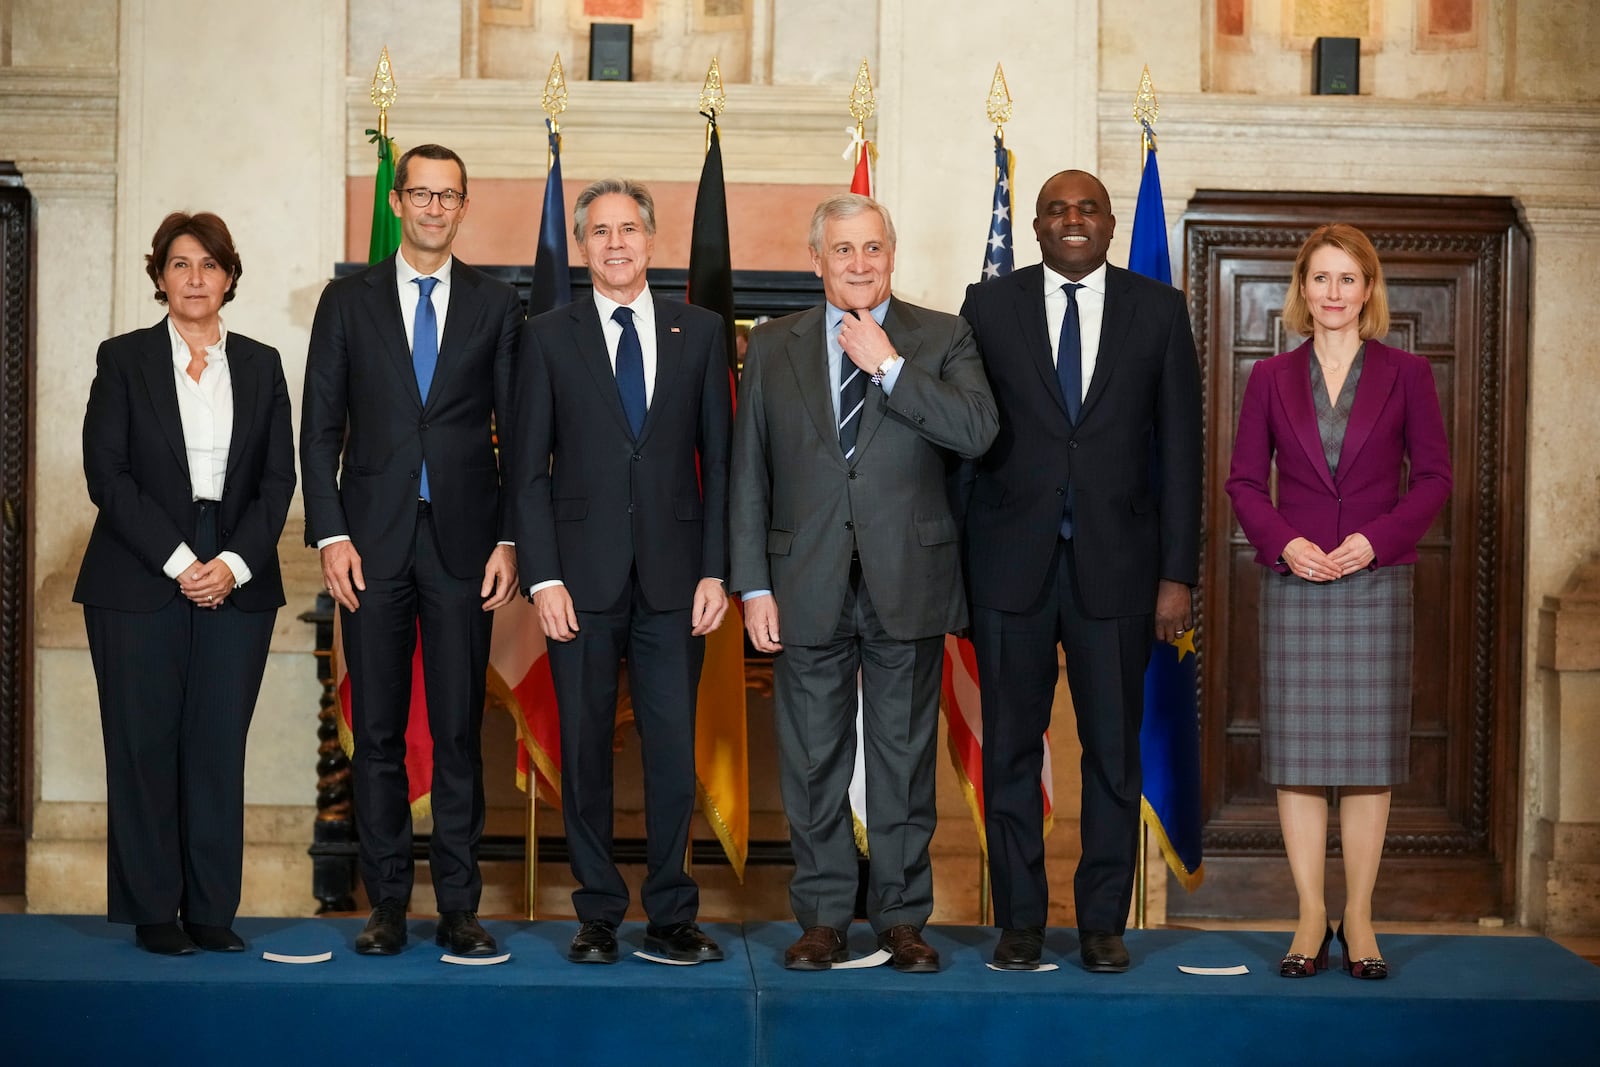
1564 882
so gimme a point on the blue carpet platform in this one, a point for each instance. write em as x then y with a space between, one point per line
76 990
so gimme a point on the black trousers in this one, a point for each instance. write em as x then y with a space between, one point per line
664 662
379 641
815 700
1017 670
177 689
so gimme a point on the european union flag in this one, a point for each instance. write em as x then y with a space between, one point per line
1169 740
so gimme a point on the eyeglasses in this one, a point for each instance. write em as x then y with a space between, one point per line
449 199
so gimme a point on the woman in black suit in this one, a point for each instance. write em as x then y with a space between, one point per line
189 456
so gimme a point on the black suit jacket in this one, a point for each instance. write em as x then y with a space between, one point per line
138 473
1132 463
362 404
591 502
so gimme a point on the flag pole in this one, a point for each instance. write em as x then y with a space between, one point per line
863 104
553 101
999 108
1145 112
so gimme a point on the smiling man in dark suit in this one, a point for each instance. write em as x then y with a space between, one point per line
623 415
409 366
841 528
1083 529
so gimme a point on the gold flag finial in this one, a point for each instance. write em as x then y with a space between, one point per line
712 98
554 98
863 101
383 91
999 106
1145 109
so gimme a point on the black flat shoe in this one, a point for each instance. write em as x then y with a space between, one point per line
596 942
385 932
1102 952
1368 967
684 942
164 939
1019 948
214 938
461 934
1299 965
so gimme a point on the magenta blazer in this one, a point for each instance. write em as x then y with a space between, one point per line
1395 414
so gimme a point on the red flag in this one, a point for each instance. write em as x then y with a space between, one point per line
861 180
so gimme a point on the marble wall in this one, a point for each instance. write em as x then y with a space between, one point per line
119 110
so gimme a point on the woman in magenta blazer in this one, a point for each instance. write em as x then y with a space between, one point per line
1340 415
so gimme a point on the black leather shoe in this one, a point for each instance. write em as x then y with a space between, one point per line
164 939
684 942
596 943
385 933
1102 952
460 934
1019 948
214 938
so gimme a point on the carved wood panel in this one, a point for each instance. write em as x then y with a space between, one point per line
1456 269
16 630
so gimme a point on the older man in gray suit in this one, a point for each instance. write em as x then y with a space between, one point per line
841 528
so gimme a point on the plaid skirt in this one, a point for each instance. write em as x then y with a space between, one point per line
1336 678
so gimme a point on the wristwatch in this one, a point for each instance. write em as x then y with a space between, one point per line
884 368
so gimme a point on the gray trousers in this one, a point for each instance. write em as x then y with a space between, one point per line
815 701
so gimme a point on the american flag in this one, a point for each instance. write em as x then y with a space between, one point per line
997 259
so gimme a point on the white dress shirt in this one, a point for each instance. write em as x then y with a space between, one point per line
205 410
1091 313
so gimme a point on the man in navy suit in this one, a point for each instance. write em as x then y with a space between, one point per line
623 413
408 370
1083 530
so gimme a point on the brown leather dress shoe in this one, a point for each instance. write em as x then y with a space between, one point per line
818 949
910 954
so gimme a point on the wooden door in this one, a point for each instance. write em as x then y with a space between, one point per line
1456 269
16 586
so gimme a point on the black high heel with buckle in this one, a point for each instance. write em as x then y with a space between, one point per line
1369 967
1299 965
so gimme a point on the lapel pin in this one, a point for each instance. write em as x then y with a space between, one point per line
676 330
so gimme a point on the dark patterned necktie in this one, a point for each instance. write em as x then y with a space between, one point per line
852 399
1069 354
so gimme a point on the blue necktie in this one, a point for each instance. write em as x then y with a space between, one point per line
630 370
425 353
1069 372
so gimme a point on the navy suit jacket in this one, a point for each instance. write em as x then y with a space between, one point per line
591 502
1132 463
365 430
138 473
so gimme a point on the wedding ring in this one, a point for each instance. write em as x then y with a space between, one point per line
1308 572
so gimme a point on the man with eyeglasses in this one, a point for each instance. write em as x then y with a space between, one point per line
408 370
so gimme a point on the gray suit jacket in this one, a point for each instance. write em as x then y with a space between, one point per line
798 510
